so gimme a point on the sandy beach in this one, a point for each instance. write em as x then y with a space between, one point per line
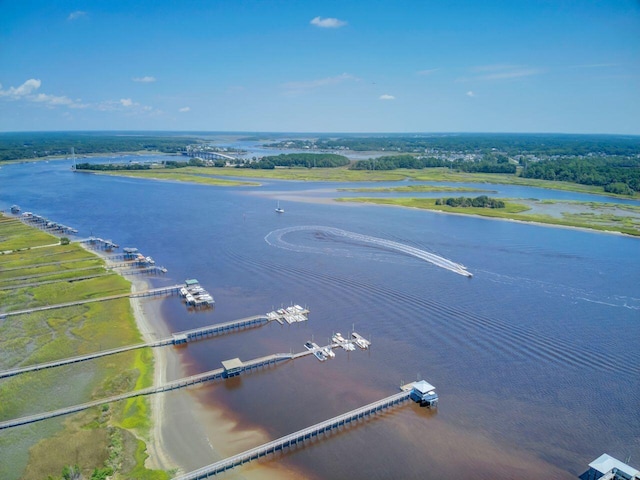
186 434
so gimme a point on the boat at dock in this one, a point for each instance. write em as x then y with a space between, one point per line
319 355
360 341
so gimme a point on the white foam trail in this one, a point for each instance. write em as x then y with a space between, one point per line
275 238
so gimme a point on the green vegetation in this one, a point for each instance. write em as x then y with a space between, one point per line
198 175
14 235
596 218
465 202
489 164
309 160
113 167
618 175
29 145
509 144
102 442
416 188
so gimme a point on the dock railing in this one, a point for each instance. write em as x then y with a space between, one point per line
295 438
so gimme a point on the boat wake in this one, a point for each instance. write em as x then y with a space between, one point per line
275 239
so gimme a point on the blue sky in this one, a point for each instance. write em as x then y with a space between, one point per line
321 66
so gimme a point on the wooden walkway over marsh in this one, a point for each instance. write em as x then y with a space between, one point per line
175 339
180 383
173 289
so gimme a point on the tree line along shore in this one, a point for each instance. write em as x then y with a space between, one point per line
105 442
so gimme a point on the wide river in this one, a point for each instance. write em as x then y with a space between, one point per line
535 358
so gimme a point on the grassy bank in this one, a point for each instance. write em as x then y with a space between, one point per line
416 189
343 174
109 439
202 176
595 218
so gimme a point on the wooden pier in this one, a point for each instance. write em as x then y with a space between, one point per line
175 339
171 290
297 437
180 383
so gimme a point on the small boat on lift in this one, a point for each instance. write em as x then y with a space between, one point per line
279 209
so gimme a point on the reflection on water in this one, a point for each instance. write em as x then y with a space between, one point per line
533 358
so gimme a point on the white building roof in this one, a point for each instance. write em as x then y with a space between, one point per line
604 463
423 386
232 364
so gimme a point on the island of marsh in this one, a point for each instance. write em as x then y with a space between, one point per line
103 441
607 217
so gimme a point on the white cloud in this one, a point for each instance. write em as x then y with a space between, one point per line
184 109
387 97
470 94
328 22
527 72
76 15
146 79
500 72
52 100
428 71
23 90
321 82
27 92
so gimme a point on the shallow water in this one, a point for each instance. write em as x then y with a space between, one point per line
533 358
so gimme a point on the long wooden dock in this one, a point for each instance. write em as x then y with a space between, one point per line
173 289
175 339
296 437
180 383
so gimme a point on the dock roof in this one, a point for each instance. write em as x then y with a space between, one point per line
232 364
191 282
605 463
423 386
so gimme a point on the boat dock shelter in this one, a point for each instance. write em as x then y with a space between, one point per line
232 367
605 467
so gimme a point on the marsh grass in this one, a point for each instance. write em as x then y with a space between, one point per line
343 174
86 438
517 211
202 176
15 235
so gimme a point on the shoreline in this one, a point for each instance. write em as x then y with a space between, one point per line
483 217
158 456
179 418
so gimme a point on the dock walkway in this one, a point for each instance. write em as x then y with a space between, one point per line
180 383
175 339
296 437
144 293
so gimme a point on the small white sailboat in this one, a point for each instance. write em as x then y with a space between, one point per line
279 209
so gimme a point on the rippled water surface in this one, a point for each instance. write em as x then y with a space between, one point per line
535 358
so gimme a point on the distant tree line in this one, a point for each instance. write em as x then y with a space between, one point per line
479 202
112 166
510 144
194 162
489 164
616 174
19 146
309 160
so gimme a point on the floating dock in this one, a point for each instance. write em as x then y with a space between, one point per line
323 353
195 295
